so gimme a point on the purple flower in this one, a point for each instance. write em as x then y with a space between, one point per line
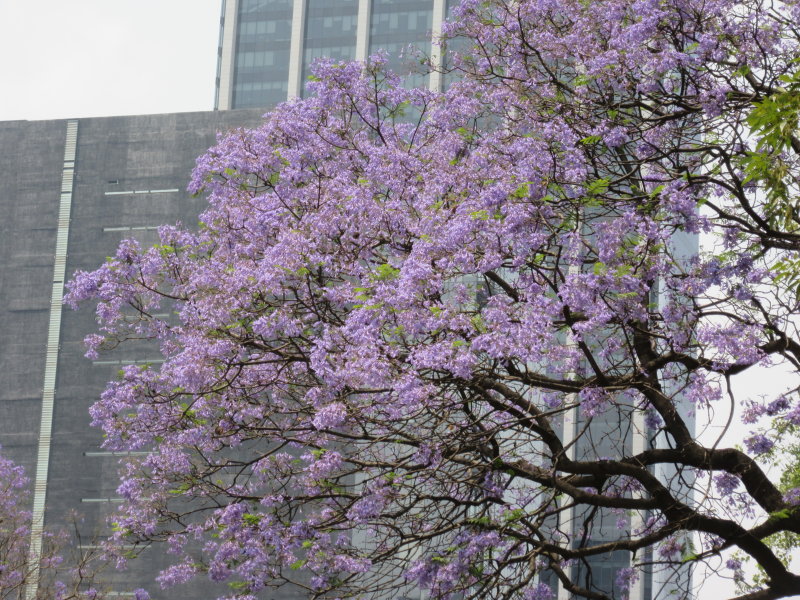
625 579
594 401
777 406
759 444
540 591
653 420
792 497
793 416
492 485
726 483
615 137
735 565
671 548
330 416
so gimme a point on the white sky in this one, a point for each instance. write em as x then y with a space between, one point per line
91 58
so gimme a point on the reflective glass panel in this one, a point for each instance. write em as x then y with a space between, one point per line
330 31
262 53
395 25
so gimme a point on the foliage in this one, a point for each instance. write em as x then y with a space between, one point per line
459 340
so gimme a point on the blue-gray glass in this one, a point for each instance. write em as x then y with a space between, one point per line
459 45
395 25
599 573
263 40
330 32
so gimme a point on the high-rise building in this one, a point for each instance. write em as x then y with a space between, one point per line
267 46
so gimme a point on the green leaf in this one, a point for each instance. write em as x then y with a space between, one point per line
597 187
522 191
623 270
385 272
514 515
689 558
780 514
251 519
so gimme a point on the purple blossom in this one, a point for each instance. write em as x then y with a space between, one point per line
792 497
759 444
331 416
625 580
735 565
653 420
615 137
540 591
777 406
793 416
671 548
726 483
752 413
492 485
594 401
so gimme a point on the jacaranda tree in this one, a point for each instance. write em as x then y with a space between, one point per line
459 341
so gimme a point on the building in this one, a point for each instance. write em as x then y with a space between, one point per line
267 46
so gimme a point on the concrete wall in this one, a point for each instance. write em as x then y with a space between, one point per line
114 155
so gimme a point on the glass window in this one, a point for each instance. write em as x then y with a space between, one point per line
262 53
398 24
458 45
330 31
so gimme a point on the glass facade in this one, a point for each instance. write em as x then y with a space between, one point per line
455 45
267 62
330 31
398 24
263 38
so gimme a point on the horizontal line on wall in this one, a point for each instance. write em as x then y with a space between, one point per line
130 192
100 547
147 361
113 453
133 228
101 500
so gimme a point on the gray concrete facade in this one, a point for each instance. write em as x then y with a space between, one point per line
127 176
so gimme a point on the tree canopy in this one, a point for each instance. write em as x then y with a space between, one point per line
459 341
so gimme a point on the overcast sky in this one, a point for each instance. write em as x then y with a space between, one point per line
88 58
